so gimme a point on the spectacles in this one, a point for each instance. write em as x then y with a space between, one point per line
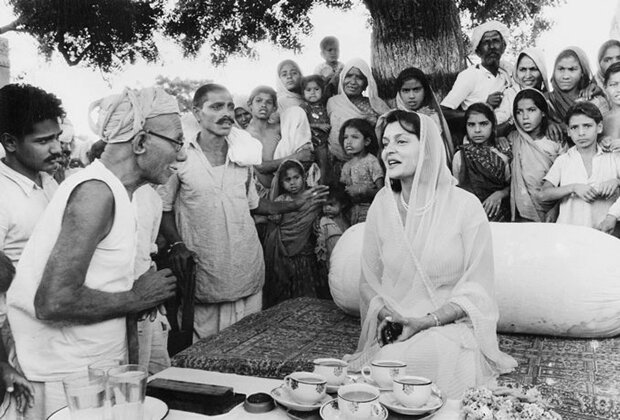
177 144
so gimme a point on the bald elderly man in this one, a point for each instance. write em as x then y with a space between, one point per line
74 286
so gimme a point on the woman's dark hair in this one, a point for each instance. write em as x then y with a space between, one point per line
367 130
409 121
415 73
611 70
540 102
289 164
484 109
584 108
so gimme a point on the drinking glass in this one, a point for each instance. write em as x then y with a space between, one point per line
85 396
101 368
127 385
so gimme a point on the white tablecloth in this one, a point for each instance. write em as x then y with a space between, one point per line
250 385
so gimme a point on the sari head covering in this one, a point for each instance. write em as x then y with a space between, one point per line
538 58
430 101
489 26
560 100
340 108
600 74
401 282
530 164
123 116
287 98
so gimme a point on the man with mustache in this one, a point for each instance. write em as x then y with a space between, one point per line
484 82
207 209
75 295
29 131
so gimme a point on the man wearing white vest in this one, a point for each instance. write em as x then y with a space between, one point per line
74 284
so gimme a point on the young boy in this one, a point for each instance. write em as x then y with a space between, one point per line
331 68
585 178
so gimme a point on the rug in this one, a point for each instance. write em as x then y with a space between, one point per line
580 377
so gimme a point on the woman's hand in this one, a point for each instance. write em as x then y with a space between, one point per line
554 132
586 192
304 154
426 110
608 188
17 385
493 203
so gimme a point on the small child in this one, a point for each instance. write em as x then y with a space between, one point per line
329 229
362 175
291 269
585 179
331 68
481 167
312 88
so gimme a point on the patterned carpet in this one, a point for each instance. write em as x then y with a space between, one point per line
581 377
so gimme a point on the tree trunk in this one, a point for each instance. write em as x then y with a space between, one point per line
420 33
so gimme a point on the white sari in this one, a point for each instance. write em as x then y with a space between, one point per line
439 256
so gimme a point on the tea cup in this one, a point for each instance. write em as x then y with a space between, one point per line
382 372
306 387
359 402
334 370
412 391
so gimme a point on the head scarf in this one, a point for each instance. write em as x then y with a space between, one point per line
489 26
434 105
538 58
560 100
123 116
286 98
600 76
406 288
530 164
372 92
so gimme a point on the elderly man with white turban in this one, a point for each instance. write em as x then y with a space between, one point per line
74 285
484 82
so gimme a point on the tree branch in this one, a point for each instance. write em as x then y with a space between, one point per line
13 26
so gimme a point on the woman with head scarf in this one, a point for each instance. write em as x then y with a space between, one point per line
531 70
427 268
288 85
572 82
414 94
608 54
355 79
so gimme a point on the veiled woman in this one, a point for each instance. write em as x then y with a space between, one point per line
428 267
350 102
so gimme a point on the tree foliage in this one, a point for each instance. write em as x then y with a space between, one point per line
101 34
182 89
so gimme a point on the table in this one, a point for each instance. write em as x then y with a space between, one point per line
249 385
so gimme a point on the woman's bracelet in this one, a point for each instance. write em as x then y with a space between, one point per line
174 244
435 318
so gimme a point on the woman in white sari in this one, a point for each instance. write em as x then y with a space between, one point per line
428 267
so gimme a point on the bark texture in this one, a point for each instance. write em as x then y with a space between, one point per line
421 33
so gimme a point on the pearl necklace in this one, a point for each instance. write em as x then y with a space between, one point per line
402 201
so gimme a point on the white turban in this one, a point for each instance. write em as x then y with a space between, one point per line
122 116
489 26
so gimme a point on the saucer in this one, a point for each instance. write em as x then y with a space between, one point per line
332 389
434 403
330 411
282 396
154 409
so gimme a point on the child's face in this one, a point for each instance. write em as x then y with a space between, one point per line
529 116
412 94
262 106
479 128
312 92
332 208
330 53
613 88
567 74
290 77
354 142
584 130
292 181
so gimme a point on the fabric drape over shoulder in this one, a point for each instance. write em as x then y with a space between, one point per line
286 98
437 257
340 108
531 162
